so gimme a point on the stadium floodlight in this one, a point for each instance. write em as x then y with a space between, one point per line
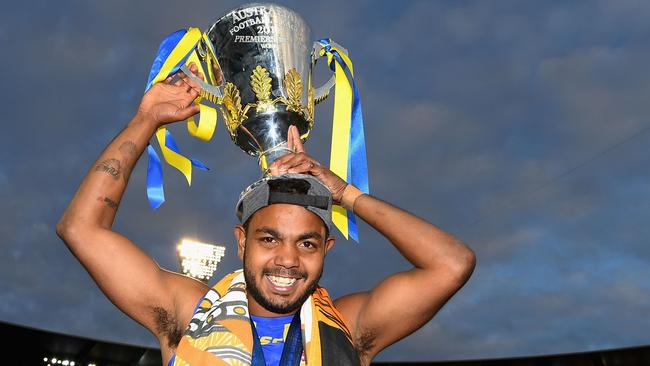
199 260
57 361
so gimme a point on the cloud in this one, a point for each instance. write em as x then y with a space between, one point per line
511 125
601 100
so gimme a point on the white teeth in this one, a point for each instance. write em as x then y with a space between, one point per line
281 281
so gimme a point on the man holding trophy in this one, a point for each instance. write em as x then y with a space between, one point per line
251 65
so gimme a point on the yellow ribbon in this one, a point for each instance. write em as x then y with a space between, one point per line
208 115
212 57
340 132
184 46
178 161
207 123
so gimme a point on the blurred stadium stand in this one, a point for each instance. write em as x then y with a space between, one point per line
23 346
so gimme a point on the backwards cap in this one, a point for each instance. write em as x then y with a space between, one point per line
296 189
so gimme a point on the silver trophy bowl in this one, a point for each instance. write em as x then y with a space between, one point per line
263 52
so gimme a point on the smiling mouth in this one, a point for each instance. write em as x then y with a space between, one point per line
282 282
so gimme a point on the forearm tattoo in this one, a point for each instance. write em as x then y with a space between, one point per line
109 202
128 149
111 167
129 155
116 168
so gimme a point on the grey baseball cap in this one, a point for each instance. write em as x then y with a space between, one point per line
296 189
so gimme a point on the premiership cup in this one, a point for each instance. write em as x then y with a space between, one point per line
258 62
264 55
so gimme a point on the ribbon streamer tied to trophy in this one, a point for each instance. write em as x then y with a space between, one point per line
258 65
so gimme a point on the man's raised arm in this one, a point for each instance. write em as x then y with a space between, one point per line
405 301
128 277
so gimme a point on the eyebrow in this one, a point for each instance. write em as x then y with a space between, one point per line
310 235
270 231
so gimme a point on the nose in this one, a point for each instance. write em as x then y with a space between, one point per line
287 256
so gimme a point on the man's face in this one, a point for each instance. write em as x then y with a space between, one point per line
283 252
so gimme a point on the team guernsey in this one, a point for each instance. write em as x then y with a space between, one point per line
221 332
272 333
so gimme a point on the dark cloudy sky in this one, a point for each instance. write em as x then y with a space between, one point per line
521 127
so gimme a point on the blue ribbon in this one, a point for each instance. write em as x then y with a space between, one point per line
164 50
155 191
357 162
171 144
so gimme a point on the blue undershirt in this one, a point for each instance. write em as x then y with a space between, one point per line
272 333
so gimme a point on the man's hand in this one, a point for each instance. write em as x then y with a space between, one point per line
300 162
168 101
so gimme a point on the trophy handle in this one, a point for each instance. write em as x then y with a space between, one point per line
214 90
321 93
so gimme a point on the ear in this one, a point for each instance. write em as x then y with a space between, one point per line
240 236
329 243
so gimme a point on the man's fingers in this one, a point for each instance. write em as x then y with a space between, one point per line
294 142
195 70
281 162
294 163
298 161
188 83
274 169
179 78
193 93
187 112
304 166
275 166
290 145
219 78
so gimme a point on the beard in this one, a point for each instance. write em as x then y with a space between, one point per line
278 307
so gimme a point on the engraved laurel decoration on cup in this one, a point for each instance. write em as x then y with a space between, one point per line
264 55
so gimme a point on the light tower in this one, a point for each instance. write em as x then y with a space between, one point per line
199 260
